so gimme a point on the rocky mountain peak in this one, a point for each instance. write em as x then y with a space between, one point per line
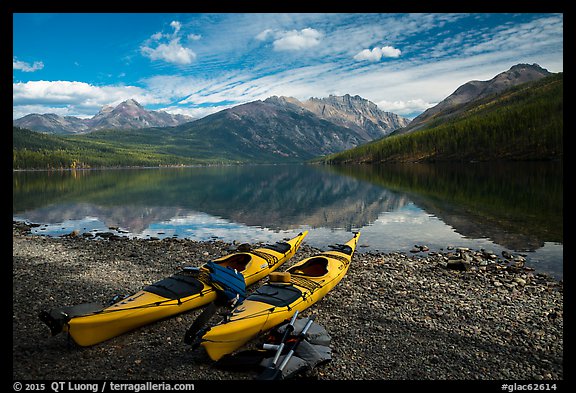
521 67
475 90
517 74
348 100
130 104
283 100
357 113
130 107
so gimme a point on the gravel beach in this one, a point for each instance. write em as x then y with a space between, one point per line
450 315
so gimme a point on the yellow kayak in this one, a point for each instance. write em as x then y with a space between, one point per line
89 324
298 288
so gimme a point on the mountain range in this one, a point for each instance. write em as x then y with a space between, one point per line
127 115
356 113
284 129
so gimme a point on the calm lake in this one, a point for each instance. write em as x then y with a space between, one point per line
516 207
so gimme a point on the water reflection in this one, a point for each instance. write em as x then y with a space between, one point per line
517 205
514 207
274 197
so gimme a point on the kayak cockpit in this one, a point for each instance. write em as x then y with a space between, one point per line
235 261
314 267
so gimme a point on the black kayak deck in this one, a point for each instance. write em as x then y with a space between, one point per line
177 286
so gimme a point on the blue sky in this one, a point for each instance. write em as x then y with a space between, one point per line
197 64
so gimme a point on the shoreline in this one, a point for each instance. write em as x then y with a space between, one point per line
395 316
501 256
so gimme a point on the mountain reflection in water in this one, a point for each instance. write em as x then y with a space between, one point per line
517 207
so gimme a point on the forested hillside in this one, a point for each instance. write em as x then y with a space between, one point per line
33 150
522 123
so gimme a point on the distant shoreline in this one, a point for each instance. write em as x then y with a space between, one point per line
165 166
316 161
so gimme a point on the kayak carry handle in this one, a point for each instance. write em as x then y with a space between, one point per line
54 323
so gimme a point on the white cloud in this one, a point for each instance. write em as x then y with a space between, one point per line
404 90
406 107
240 87
176 26
263 35
297 40
52 92
23 110
377 53
26 67
171 51
196 113
291 40
404 87
71 97
389 51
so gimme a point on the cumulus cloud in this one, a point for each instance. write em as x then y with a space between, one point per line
376 54
263 35
176 26
26 67
172 52
73 98
167 47
291 40
296 40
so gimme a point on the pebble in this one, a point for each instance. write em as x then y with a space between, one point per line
394 316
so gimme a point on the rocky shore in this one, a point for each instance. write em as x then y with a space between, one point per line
410 315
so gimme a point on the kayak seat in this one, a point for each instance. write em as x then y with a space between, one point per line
279 295
235 261
314 267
